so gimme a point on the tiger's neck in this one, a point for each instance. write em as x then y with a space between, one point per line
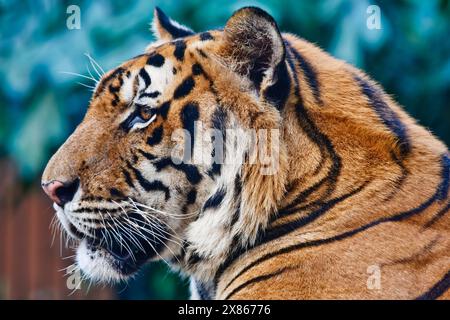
351 159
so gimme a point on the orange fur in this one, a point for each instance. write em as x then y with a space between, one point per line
367 194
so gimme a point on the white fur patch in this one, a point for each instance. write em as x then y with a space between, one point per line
97 265
144 124
193 289
158 35
211 235
126 91
160 77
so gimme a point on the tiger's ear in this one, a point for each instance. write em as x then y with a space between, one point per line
166 29
254 47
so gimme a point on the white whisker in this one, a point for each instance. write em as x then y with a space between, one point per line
179 243
80 75
85 85
128 233
172 215
122 243
95 63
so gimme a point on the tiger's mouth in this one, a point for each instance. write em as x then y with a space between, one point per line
115 252
123 261
128 249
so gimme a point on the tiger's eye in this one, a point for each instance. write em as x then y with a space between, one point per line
146 113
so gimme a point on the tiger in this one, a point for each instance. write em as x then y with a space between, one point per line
352 204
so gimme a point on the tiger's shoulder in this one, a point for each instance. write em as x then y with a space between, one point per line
367 192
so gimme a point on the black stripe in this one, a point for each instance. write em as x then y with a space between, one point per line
191 197
155 60
191 171
116 193
437 290
291 65
95 221
215 200
218 123
147 155
189 115
98 210
256 73
254 280
163 110
236 213
153 94
202 53
103 83
215 169
197 69
395 218
303 196
287 228
132 119
194 258
172 29
308 71
155 185
322 140
184 88
438 216
203 292
128 178
237 198
92 198
386 114
277 93
144 75
401 179
114 90
205 36
237 186
156 136
324 144
180 48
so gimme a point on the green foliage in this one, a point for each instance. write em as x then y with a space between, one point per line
155 281
40 105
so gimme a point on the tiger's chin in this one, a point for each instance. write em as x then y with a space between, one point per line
102 265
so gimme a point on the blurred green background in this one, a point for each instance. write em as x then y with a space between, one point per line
41 105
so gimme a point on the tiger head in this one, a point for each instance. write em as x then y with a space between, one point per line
148 173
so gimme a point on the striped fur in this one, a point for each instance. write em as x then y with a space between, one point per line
358 184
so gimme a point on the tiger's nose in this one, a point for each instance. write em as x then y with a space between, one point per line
60 192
